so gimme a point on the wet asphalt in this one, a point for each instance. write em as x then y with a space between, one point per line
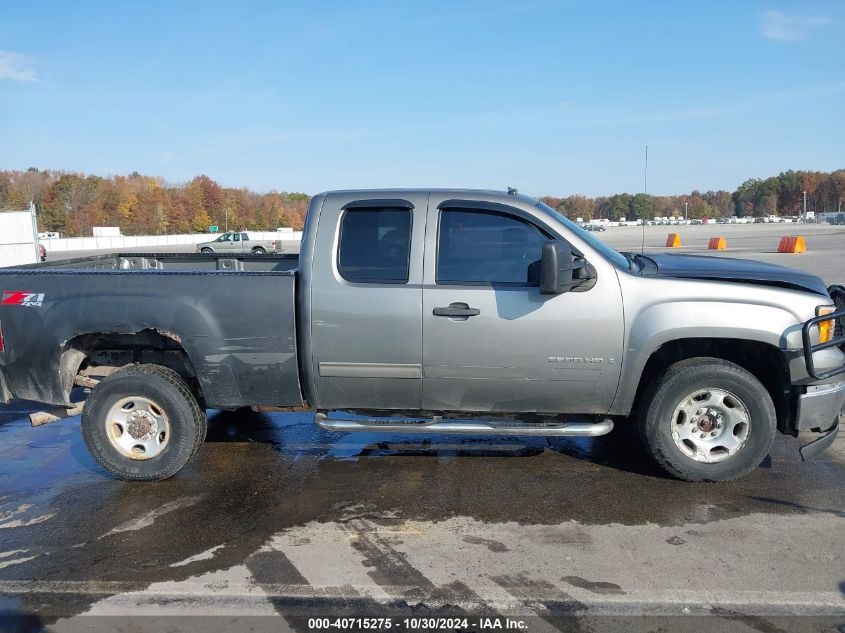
282 516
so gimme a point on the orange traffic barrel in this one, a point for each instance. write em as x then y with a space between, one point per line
792 244
717 244
673 241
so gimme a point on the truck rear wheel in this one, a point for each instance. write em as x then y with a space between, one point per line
143 423
258 251
706 419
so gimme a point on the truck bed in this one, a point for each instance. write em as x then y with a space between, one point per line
232 316
173 261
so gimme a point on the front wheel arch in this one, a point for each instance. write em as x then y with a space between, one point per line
763 360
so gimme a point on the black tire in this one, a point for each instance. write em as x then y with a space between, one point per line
684 378
206 251
167 389
258 251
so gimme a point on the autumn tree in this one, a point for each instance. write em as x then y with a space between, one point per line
201 221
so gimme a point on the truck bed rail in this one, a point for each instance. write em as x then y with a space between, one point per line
239 262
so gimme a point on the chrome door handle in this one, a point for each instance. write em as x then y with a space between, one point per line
456 310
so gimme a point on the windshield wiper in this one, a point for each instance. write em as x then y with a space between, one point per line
638 260
631 257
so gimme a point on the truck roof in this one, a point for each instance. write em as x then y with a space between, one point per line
398 192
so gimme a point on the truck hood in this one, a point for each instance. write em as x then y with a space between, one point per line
732 269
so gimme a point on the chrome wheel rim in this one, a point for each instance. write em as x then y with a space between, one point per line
137 428
710 425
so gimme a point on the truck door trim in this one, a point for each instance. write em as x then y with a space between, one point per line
369 370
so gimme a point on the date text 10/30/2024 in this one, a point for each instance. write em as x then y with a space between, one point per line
418 624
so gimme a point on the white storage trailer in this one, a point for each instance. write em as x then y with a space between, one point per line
18 237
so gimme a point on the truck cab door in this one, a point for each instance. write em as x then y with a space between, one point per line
224 244
365 286
237 244
491 341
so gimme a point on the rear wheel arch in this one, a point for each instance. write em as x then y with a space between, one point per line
104 353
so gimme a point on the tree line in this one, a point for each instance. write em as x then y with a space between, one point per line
778 195
72 203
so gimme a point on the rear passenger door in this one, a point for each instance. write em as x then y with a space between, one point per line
366 301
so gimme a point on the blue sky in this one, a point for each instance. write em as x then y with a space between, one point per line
552 97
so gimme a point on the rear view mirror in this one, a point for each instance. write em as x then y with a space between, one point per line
558 266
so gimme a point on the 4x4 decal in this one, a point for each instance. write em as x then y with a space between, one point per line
22 298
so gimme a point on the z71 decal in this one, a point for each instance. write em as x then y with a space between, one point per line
22 298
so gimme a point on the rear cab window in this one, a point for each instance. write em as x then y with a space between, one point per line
375 245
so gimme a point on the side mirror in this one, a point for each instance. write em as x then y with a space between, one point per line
560 268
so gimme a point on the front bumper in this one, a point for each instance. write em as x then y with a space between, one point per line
820 444
819 407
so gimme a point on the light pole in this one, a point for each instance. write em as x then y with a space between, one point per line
805 207
686 204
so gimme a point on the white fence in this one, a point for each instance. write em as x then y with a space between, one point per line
18 237
143 241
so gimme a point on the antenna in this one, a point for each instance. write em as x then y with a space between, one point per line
645 191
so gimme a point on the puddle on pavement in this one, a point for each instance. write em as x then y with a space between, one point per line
259 474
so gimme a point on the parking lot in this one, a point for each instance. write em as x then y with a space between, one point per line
825 254
277 520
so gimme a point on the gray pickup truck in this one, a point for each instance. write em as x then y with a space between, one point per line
239 242
432 311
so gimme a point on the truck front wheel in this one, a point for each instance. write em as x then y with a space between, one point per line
143 423
706 419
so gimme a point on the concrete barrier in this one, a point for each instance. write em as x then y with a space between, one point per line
59 245
717 244
673 240
792 244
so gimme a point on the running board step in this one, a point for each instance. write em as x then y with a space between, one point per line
437 425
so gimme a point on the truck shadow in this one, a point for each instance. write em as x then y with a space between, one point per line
296 434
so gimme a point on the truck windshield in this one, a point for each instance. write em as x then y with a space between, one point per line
613 256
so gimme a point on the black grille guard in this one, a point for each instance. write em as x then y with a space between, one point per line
836 341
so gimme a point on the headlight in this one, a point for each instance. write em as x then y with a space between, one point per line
826 328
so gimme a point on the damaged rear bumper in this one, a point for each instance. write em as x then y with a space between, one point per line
5 390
